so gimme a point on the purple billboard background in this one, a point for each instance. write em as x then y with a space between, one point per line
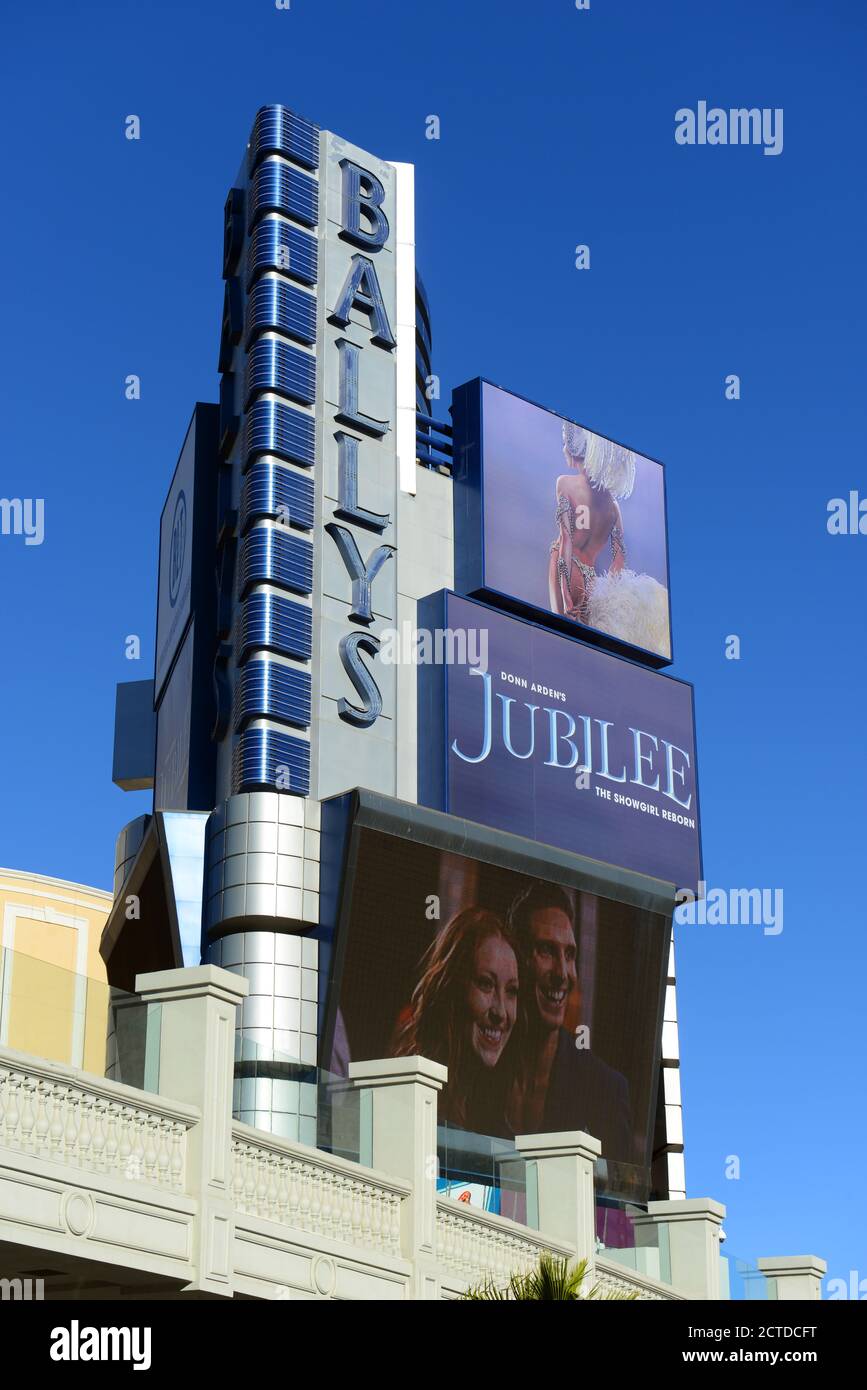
527 796
522 458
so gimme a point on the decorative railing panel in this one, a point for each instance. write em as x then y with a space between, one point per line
614 1278
478 1246
90 1124
314 1192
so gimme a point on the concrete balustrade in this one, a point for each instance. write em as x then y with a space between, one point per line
131 1189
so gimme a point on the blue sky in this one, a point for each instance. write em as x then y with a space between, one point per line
557 128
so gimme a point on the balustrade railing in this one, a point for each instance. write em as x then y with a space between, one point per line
314 1192
91 1124
477 1245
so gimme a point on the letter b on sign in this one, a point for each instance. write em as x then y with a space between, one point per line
363 197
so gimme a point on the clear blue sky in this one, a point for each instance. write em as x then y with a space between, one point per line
557 128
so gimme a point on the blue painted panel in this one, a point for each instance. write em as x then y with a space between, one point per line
277 130
266 689
277 305
277 245
277 624
270 490
260 752
271 555
277 187
276 366
273 428
273 303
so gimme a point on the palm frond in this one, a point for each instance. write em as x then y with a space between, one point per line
551 1280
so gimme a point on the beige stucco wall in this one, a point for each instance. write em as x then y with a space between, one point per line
53 990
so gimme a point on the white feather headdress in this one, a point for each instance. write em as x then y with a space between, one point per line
607 465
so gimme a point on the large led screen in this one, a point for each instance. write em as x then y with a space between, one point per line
560 742
543 1000
560 522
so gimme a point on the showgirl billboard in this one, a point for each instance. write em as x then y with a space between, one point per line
561 743
560 523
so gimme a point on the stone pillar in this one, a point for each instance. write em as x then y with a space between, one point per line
693 1226
399 1137
561 1198
795 1276
196 1060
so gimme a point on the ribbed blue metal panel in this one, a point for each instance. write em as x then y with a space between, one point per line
422 336
272 555
423 301
422 360
275 624
273 365
276 245
423 453
430 441
277 130
277 187
273 304
270 490
260 752
265 689
273 428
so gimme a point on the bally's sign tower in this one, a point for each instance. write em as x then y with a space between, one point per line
316 514
291 539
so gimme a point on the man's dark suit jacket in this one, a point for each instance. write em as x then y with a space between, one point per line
585 1093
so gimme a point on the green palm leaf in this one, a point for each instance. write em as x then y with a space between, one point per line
551 1279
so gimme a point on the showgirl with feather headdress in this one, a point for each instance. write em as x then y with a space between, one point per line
633 607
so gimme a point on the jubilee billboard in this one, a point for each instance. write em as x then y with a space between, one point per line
560 523
559 742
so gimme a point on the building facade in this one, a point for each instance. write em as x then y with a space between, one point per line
391 1001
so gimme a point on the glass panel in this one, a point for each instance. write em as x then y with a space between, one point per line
625 1233
277 1093
746 1282
133 1044
185 837
482 1171
59 1015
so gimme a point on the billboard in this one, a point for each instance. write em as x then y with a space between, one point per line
174 601
560 742
542 997
187 616
560 523
172 765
